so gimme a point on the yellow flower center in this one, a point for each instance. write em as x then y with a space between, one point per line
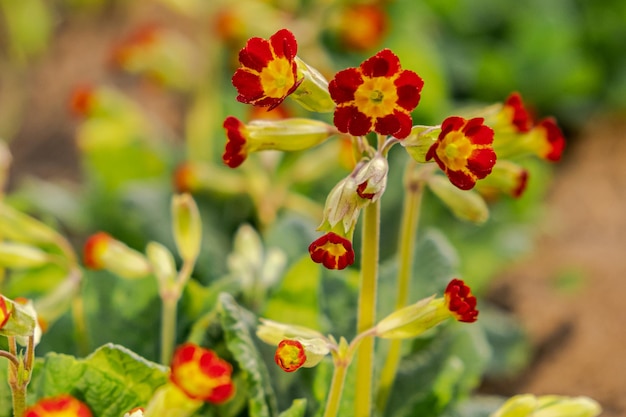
277 78
454 150
195 381
376 97
334 249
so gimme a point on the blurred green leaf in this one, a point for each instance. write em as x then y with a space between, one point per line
29 24
297 409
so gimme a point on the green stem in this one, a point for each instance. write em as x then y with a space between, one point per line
20 371
366 317
336 388
168 328
414 187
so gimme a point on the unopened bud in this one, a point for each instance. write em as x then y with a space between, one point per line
101 251
466 205
23 228
528 405
162 261
419 141
312 93
187 226
19 256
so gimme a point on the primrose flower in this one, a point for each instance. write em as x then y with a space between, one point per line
290 355
362 26
464 150
101 251
268 71
63 405
201 374
293 134
413 320
378 96
514 115
332 250
546 140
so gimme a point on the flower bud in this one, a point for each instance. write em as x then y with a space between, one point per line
419 141
23 228
312 93
332 250
101 251
15 319
187 226
162 262
371 178
528 405
506 178
273 332
294 134
466 205
19 256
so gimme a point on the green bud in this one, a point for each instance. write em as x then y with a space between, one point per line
466 205
528 405
187 226
19 256
162 262
23 228
273 332
420 141
312 93
413 320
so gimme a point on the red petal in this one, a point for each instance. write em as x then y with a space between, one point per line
383 64
398 125
248 86
554 137
461 179
409 86
256 54
522 119
284 44
450 124
350 120
481 162
343 86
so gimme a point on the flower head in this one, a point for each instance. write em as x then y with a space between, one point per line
63 405
293 134
201 374
378 96
268 71
547 140
460 301
332 250
5 313
362 26
464 150
82 100
515 114
101 251
290 355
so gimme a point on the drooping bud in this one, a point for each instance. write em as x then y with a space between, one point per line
101 251
371 178
466 205
332 250
312 93
187 226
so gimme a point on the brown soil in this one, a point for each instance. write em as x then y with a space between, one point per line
577 335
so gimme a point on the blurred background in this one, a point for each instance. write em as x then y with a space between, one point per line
171 62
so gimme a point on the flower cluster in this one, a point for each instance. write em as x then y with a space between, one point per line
377 98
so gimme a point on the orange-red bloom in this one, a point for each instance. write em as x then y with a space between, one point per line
460 301
201 374
290 355
63 405
81 100
362 26
516 113
378 96
464 151
268 71
4 312
553 141
332 251
95 246
236 151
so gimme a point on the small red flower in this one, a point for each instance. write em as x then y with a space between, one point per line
553 141
378 96
201 374
460 301
142 38
61 406
268 71
4 313
290 355
236 151
464 151
95 246
517 114
332 251
362 26
82 100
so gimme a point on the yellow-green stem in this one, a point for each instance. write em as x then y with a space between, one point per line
366 317
408 229
168 328
80 326
336 388
20 370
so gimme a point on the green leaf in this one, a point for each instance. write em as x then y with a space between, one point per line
110 381
5 391
297 409
236 323
297 298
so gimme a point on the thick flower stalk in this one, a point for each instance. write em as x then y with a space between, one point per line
464 151
63 405
377 96
268 71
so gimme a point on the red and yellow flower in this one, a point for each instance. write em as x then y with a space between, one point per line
332 250
63 405
95 249
268 71
101 251
460 301
464 151
547 140
5 313
378 96
201 374
362 26
290 355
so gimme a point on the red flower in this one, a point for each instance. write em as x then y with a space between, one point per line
290 355
95 246
332 250
201 374
4 312
517 114
378 96
464 151
236 151
551 140
460 301
61 406
82 100
362 26
268 72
